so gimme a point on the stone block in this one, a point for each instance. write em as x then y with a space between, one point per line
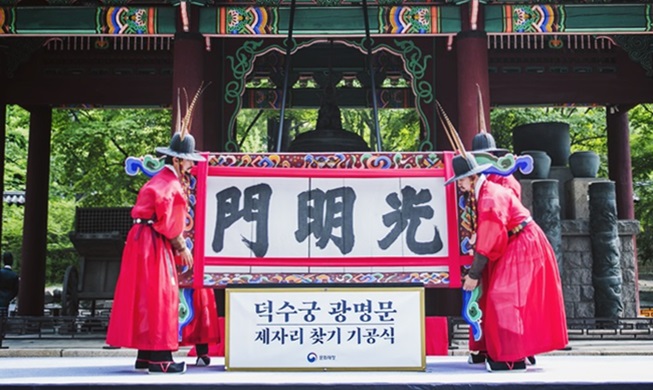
587 293
626 243
586 259
571 293
577 197
628 276
584 310
581 276
577 244
562 174
566 277
527 194
573 260
570 309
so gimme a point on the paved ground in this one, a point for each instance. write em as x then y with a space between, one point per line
445 372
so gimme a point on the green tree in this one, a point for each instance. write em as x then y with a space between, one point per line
641 148
88 151
89 148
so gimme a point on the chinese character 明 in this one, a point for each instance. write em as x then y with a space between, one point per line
255 209
319 213
408 213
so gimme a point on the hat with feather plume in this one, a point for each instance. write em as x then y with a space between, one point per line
464 164
484 141
182 144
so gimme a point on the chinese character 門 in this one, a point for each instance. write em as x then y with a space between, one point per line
256 204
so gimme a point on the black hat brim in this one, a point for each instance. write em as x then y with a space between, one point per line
186 156
474 171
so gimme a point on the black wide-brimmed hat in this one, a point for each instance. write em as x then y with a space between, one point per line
484 142
464 166
181 147
182 144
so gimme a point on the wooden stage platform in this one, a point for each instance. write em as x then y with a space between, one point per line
447 372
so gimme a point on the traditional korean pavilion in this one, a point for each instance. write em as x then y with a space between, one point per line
121 53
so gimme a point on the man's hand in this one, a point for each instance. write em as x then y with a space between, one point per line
186 258
469 284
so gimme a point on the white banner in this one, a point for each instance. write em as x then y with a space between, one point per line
295 217
325 328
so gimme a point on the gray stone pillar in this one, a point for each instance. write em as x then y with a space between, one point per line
628 230
606 254
546 213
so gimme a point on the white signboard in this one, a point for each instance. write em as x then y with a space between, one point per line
325 328
299 217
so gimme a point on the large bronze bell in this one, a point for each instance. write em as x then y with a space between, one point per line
329 136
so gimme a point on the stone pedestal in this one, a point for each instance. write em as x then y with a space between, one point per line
546 213
577 197
562 174
527 193
577 268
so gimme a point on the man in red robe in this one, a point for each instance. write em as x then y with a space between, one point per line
524 310
144 315
484 142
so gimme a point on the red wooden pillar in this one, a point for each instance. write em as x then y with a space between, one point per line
619 164
472 55
214 137
446 88
188 74
35 225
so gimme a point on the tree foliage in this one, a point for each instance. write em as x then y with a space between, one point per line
88 150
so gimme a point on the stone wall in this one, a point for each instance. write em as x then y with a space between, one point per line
577 268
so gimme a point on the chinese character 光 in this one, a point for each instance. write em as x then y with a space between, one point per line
408 214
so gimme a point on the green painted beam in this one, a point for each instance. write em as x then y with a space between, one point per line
405 20
624 18
574 18
88 20
48 20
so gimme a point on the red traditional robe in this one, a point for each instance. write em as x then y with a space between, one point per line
508 182
512 184
524 309
204 327
146 301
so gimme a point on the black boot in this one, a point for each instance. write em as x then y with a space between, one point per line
477 357
516 366
161 363
142 360
203 358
